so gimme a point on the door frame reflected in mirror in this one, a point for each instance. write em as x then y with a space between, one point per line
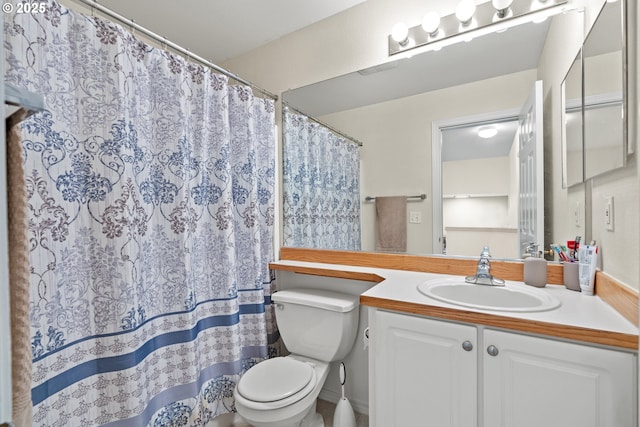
437 127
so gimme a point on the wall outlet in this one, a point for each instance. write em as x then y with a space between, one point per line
577 214
608 213
415 217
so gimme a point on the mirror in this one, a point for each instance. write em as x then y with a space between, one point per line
605 139
391 109
572 142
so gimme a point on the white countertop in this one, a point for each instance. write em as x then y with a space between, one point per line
576 309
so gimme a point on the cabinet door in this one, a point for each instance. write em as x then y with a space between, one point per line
533 382
423 376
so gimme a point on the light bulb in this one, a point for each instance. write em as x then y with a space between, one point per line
431 22
465 11
502 7
501 4
400 33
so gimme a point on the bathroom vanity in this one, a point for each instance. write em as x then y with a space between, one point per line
441 373
436 363
442 370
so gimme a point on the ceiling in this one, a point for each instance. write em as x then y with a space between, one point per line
463 142
218 30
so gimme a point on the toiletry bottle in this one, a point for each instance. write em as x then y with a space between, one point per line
535 267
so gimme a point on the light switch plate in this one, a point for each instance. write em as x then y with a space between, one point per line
608 213
415 217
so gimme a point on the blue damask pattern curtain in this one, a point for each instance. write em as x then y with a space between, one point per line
151 196
321 186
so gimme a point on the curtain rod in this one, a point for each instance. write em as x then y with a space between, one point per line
332 129
131 23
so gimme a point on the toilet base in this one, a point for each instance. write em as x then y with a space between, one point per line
311 419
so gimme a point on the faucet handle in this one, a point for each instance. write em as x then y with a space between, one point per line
485 252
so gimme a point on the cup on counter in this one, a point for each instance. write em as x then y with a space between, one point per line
570 274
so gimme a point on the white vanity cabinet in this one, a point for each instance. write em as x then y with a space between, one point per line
420 373
426 372
532 382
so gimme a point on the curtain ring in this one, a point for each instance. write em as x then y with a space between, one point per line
133 27
164 43
187 55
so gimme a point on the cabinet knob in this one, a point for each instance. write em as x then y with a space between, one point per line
467 346
492 350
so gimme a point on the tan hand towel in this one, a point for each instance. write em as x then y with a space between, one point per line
391 223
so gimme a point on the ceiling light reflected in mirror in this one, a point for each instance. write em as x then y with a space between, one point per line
487 132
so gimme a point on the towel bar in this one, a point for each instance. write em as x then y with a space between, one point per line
421 197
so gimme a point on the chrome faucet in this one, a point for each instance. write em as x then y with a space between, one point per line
483 272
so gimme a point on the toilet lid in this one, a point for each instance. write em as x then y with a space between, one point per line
275 379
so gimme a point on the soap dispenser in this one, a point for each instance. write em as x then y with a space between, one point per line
535 267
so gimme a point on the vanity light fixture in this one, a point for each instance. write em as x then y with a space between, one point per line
470 21
487 132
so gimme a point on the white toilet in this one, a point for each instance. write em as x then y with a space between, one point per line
318 327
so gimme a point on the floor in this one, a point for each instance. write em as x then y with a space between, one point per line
326 409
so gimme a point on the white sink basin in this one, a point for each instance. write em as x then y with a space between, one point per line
512 297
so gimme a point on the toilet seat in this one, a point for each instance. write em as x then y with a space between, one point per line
275 383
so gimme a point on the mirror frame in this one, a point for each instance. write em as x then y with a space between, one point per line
625 98
571 107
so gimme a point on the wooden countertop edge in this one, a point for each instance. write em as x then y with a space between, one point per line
619 296
574 333
327 272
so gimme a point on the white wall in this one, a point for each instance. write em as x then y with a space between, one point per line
478 212
471 223
489 175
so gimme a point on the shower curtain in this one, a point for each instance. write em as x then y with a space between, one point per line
150 186
321 186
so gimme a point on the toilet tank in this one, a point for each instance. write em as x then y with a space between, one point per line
316 323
